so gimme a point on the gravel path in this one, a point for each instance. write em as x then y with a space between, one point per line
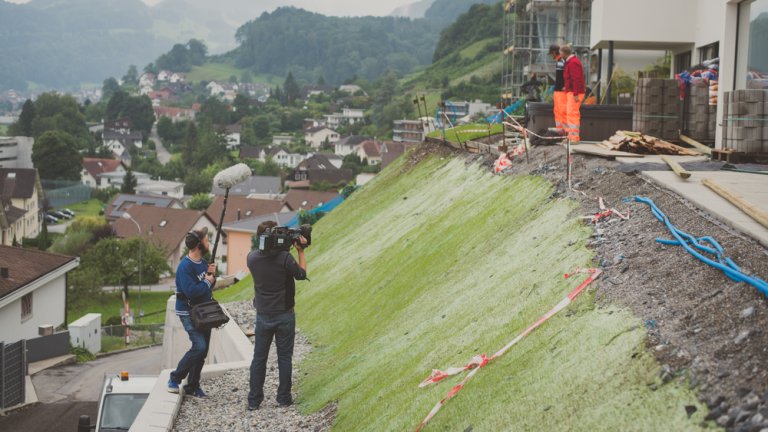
225 407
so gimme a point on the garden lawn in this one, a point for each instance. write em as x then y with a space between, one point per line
426 267
110 304
467 132
92 207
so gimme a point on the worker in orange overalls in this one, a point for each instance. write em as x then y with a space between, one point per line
575 87
560 97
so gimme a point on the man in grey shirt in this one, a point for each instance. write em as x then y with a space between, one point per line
274 276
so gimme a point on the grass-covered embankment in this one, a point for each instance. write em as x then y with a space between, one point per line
425 268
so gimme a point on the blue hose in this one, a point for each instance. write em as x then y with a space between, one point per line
691 243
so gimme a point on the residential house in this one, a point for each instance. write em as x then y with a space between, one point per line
317 136
255 186
411 131
348 116
390 151
121 125
177 77
318 168
312 123
94 168
175 114
317 90
147 80
119 141
214 88
251 152
124 202
233 134
164 75
348 145
33 291
240 207
16 152
302 199
116 179
283 158
371 151
240 235
279 140
166 228
161 188
20 195
351 89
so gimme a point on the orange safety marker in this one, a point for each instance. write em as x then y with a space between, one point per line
480 361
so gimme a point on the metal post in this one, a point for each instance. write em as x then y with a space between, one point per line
610 71
599 73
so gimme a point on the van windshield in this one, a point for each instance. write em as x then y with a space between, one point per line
119 411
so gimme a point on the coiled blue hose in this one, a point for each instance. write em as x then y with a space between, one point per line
704 244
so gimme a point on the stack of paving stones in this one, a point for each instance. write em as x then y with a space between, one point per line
700 116
657 108
745 121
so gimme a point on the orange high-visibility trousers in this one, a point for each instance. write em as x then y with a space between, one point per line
561 109
573 116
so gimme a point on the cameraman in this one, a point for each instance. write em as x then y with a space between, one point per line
274 276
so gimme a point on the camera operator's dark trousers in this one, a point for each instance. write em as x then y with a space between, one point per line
282 328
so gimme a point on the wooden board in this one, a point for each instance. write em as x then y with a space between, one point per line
755 213
697 146
595 150
676 167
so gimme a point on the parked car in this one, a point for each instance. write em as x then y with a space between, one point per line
50 220
122 397
61 215
67 211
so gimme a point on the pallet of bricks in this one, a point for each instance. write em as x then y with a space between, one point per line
657 108
701 114
745 124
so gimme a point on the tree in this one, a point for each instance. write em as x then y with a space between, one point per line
117 261
200 201
197 52
190 145
115 105
132 76
129 183
23 127
109 87
56 157
55 112
321 81
43 240
291 89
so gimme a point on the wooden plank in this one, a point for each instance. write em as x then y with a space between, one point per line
755 213
676 167
697 146
595 150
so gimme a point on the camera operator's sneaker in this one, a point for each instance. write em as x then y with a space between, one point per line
172 386
198 393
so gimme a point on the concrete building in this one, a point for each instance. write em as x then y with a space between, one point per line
411 131
164 188
694 31
16 152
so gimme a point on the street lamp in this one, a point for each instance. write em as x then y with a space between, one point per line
126 215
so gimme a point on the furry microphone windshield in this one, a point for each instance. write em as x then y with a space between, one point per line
231 176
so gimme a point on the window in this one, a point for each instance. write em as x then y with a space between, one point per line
26 307
709 52
756 34
682 61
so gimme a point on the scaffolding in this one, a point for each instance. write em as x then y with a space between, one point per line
530 27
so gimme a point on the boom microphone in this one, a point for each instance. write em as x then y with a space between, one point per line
225 179
231 176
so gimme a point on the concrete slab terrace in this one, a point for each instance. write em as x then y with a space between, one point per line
751 187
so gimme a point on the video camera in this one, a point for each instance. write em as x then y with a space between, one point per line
282 238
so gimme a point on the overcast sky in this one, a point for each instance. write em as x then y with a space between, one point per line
329 7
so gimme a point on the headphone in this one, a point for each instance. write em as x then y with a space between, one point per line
196 237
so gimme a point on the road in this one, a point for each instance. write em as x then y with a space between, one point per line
67 392
162 153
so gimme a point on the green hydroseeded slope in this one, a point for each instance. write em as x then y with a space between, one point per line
423 268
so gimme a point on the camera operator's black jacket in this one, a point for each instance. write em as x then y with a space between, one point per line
273 281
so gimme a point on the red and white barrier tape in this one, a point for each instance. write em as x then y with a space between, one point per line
480 361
